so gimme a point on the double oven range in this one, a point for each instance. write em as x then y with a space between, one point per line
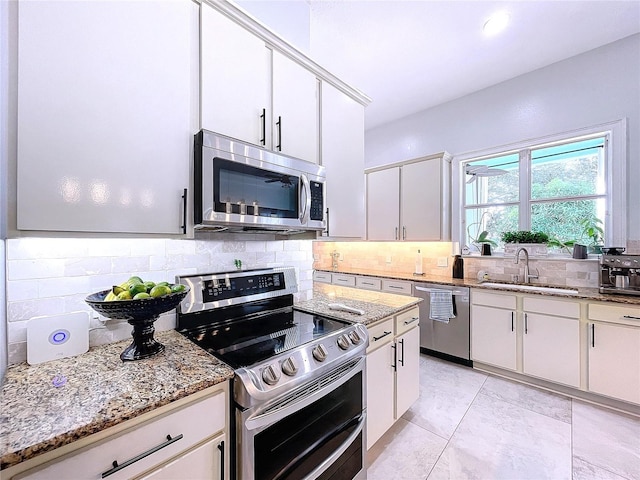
298 402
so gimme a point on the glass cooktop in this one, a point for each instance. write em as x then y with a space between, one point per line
245 342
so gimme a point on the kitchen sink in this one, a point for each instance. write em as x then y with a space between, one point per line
532 288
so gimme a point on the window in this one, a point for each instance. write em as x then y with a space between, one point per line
550 186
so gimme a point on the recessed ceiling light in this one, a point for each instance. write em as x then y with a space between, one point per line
496 23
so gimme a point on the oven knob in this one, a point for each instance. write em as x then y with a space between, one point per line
289 367
343 342
270 375
320 353
355 338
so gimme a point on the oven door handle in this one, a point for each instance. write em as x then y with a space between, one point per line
316 472
264 418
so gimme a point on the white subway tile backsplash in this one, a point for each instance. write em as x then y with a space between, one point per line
54 276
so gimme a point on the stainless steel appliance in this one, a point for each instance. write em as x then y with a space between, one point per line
620 273
445 339
299 386
240 187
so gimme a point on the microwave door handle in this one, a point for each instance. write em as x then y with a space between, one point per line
305 206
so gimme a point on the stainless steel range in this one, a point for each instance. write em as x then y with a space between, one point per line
298 391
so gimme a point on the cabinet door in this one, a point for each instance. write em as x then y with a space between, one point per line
614 361
383 204
408 370
342 134
380 388
421 201
105 117
551 348
295 109
493 336
235 79
204 463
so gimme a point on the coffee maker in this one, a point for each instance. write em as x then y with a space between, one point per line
620 273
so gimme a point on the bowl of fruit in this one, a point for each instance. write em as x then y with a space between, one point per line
140 303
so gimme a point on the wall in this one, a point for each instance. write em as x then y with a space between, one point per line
47 276
599 86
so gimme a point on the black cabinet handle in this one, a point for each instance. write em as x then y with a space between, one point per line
396 234
593 335
526 324
279 125
402 352
409 322
404 233
263 118
632 317
117 467
395 357
221 448
184 212
512 321
328 223
375 339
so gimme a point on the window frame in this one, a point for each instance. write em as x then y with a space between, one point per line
615 134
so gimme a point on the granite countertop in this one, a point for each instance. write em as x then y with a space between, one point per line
376 305
100 391
581 292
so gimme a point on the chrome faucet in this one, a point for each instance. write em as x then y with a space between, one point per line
527 275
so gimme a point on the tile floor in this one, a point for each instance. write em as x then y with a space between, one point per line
470 425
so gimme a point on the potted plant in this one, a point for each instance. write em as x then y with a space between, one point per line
592 229
534 242
481 240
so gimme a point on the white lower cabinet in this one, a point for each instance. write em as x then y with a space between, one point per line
551 340
179 444
493 329
393 367
614 361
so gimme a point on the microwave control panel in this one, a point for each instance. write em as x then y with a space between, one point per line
317 201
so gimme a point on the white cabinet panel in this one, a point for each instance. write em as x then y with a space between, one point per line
408 370
342 137
551 348
493 336
380 386
614 361
295 109
420 198
105 116
383 204
235 79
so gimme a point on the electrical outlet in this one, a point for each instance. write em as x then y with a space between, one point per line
316 256
388 258
443 261
341 257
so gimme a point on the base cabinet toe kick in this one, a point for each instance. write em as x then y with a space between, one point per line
580 348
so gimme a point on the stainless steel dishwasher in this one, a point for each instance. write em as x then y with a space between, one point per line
450 341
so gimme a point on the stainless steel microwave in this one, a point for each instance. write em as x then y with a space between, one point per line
240 187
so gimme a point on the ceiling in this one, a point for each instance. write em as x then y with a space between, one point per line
412 55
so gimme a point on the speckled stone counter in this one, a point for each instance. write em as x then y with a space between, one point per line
100 391
581 292
376 305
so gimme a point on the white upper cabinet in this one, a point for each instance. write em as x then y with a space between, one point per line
235 74
410 201
342 133
295 109
106 114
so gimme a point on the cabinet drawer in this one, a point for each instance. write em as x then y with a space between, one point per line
380 334
343 279
499 300
324 277
407 320
369 283
614 313
559 308
396 286
194 422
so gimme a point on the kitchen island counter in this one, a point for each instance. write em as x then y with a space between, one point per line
376 305
49 405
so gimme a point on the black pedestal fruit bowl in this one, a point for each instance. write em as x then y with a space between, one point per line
141 314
